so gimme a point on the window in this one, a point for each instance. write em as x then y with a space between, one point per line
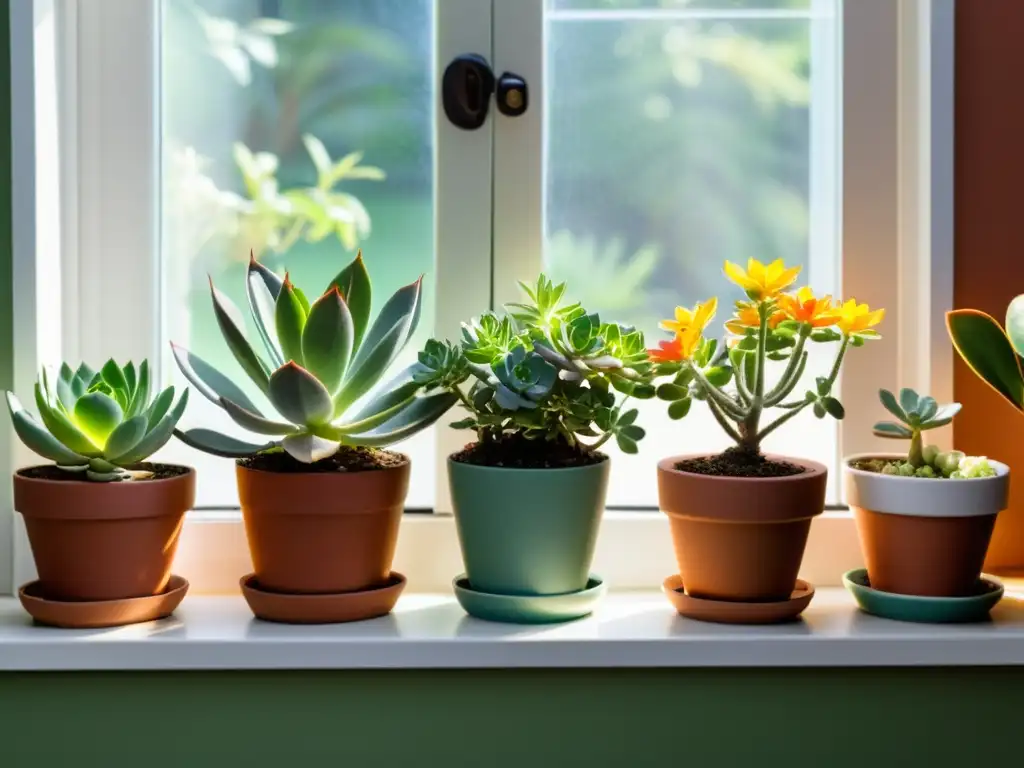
662 137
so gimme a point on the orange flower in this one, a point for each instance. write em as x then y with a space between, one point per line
681 348
804 307
747 317
854 317
762 281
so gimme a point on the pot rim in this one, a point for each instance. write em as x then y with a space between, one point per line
71 483
397 467
604 462
1001 469
812 469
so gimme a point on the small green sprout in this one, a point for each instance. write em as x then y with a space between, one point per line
916 415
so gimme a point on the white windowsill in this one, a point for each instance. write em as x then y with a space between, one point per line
630 629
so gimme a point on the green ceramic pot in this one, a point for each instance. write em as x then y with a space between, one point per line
527 531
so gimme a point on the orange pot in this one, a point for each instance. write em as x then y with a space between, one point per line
103 541
322 532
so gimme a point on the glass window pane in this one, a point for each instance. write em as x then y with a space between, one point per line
681 7
672 143
300 131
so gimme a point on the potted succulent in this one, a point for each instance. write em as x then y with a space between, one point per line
993 353
740 519
320 497
924 518
103 524
544 387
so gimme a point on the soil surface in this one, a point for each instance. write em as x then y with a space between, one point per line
347 459
159 472
740 462
514 451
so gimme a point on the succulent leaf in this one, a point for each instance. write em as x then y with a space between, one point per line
97 415
299 396
254 422
157 436
62 428
126 436
211 383
217 444
908 401
889 401
365 372
393 326
263 288
140 397
354 284
419 414
230 323
988 352
159 407
327 339
35 436
1015 324
889 429
309 448
290 319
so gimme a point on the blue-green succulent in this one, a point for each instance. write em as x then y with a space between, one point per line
97 423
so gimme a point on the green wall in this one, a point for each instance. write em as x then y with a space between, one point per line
493 719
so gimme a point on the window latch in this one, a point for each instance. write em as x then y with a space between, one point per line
466 88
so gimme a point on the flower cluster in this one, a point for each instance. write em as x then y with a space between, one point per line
772 324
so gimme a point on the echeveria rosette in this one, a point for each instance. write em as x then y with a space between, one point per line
323 359
991 351
546 371
770 325
97 423
915 414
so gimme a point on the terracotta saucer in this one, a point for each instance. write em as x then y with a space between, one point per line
728 612
528 609
101 613
322 609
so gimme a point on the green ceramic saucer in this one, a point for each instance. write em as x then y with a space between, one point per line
528 609
930 610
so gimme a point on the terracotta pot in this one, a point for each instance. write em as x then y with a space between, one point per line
103 541
322 532
924 536
740 538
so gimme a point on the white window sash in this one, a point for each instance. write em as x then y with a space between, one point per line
897 96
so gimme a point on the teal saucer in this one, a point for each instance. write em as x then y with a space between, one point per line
528 609
929 610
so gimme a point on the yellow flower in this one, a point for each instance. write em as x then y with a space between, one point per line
697 317
762 282
854 317
804 307
747 317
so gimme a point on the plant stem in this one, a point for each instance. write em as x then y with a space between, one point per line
779 422
749 426
746 396
916 454
723 421
465 400
839 361
729 406
789 377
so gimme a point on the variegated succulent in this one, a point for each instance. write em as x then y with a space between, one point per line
322 359
98 423
545 370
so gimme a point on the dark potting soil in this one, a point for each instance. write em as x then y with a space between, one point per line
347 459
740 462
514 451
160 472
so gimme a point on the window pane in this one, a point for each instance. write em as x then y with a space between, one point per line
673 143
244 85
680 7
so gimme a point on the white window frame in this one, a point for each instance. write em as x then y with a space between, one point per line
90 94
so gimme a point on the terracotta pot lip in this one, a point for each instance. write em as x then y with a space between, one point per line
1001 469
523 470
813 469
21 478
405 463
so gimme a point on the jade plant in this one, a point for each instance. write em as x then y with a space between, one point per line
770 326
544 370
992 352
98 424
323 362
916 415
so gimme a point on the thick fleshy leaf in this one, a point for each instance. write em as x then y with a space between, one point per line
65 395
97 415
130 377
363 378
113 375
888 429
127 435
157 435
927 407
229 320
159 407
253 422
211 383
34 435
946 412
299 396
354 283
417 416
309 448
289 319
141 397
1015 324
986 349
889 401
263 288
62 428
909 400
216 444
327 339
396 391
400 312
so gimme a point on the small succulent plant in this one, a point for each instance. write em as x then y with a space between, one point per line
992 352
545 370
916 415
100 423
322 359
